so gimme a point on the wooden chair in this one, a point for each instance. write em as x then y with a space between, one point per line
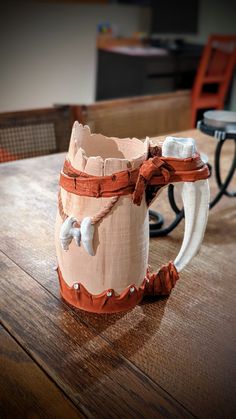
215 70
139 116
34 132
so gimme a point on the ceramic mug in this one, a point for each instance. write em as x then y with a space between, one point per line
102 225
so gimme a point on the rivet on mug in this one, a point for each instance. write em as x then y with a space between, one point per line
76 286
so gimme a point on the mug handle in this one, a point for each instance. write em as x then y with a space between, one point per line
196 198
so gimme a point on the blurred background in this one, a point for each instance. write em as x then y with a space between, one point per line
77 53
49 48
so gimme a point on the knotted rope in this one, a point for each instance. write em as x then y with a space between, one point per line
96 218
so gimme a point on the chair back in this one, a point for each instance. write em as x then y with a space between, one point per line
138 117
216 66
34 132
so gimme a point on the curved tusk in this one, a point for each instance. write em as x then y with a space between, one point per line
68 232
65 232
76 234
196 196
87 232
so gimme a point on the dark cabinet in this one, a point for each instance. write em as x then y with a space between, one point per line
123 74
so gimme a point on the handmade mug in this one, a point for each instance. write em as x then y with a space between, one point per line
102 225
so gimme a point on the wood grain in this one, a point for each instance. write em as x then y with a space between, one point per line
184 343
25 390
82 364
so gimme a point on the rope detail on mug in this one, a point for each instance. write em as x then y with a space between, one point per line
96 218
147 170
154 172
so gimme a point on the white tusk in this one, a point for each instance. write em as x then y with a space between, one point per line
67 232
196 196
76 233
87 232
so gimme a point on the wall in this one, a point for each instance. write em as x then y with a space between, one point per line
216 16
48 51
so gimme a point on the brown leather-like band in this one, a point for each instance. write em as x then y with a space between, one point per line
160 283
156 171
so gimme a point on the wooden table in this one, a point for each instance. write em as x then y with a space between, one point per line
168 358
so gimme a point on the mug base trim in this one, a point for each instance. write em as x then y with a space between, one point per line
160 283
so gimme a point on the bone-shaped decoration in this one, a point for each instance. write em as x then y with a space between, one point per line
84 233
178 147
76 233
196 197
68 232
87 232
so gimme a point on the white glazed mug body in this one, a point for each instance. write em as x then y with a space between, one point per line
121 238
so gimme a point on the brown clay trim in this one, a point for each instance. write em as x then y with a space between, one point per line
160 283
153 171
